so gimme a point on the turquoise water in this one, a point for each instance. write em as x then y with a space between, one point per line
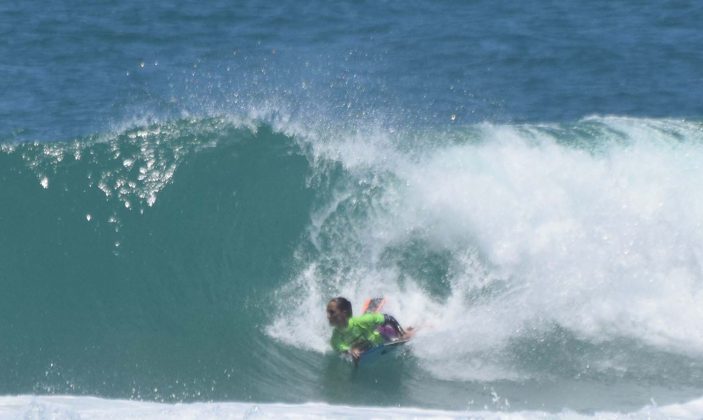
191 260
183 187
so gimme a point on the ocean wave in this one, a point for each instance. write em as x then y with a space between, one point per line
548 255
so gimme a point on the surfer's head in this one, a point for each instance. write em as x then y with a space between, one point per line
339 310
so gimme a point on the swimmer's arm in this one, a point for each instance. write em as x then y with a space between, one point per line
338 344
369 320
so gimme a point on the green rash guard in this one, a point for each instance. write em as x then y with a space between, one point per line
360 332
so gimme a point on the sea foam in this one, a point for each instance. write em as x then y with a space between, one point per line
72 407
588 233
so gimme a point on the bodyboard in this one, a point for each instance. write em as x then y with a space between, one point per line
374 353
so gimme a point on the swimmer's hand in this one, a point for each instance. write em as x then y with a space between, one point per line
409 333
355 353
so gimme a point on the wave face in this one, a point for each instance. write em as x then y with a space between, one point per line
547 265
144 258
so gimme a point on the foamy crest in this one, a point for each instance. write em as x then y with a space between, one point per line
593 229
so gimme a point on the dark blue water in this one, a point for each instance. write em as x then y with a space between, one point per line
71 68
184 185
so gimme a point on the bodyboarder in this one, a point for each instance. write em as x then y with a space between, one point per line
356 334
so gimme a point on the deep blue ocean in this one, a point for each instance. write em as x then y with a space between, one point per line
184 185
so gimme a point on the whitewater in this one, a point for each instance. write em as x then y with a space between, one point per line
95 408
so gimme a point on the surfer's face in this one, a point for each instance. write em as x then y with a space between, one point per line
335 316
